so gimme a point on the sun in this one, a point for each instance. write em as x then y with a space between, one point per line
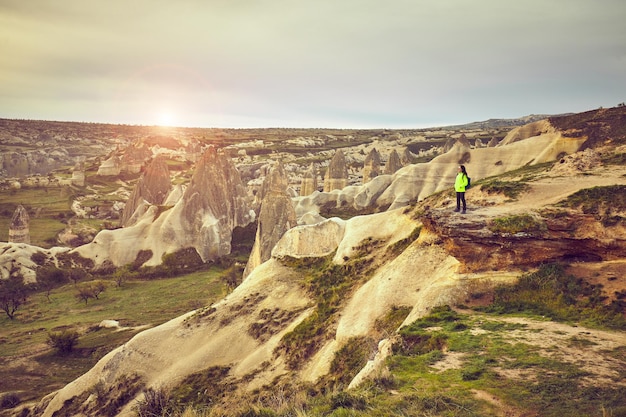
166 118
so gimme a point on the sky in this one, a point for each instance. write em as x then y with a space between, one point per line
308 64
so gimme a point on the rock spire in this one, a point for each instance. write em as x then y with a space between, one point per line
336 177
309 181
371 166
152 187
19 231
277 215
393 163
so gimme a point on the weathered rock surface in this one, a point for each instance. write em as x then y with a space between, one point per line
309 181
110 167
393 163
276 216
371 166
19 229
152 187
212 205
336 177
577 237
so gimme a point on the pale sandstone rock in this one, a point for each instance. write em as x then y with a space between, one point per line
277 215
309 181
393 163
152 187
19 229
336 177
371 166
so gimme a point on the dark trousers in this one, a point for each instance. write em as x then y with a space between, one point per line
460 198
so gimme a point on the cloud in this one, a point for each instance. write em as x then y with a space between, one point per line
284 62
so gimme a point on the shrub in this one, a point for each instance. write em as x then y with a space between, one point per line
156 402
64 341
9 400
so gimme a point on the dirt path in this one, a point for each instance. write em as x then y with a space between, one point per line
545 191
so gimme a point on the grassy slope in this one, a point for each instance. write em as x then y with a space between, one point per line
29 366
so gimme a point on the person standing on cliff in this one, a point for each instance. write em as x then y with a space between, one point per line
459 186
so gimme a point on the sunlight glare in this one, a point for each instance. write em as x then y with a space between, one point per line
166 118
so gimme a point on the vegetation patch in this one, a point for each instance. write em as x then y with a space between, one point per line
607 204
510 189
204 387
553 293
522 223
329 285
269 322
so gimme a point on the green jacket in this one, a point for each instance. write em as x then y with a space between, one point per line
460 183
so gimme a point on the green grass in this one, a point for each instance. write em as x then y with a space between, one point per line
522 223
135 304
552 293
510 189
47 210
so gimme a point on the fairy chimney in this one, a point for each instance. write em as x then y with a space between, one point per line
393 163
19 231
153 188
309 181
371 166
277 215
464 141
407 157
336 177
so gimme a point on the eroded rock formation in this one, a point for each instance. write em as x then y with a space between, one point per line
371 166
152 188
393 163
336 176
309 181
19 230
277 215
576 237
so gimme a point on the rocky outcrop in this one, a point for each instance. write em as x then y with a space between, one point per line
110 167
309 181
393 163
407 157
371 166
276 216
19 229
203 218
527 131
473 241
134 158
152 187
493 142
336 176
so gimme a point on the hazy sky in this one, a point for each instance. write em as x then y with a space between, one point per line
316 63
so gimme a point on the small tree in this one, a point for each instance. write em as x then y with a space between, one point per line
90 290
13 294
77 274
49 278
64 341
